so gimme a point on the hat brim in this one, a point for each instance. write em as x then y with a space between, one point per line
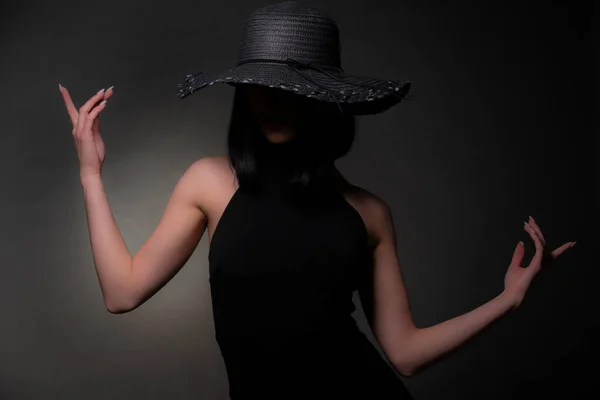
354 94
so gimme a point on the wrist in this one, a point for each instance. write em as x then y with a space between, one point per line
512 299
89 177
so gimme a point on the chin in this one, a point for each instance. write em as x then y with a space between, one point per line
280 136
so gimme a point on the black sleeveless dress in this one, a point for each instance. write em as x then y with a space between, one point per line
282 275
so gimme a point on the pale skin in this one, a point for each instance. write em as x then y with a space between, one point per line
198 201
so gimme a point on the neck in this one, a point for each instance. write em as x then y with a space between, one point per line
279 161
280 156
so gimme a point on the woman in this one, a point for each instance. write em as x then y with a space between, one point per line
290 238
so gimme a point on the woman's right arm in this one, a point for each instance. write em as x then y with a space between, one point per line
127 281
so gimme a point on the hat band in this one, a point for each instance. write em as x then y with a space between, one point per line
292 63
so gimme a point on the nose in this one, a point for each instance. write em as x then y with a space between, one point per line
275 102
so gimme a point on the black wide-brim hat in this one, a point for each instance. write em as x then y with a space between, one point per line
294 47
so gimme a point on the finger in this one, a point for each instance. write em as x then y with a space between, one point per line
69 103
108 92
85 109
558 251
518 255
92 116
536 261
96 127
537 229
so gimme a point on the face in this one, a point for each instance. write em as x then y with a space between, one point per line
277 111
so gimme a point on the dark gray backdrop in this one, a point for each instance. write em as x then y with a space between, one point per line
496 131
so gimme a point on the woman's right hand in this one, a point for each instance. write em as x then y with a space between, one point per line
86 131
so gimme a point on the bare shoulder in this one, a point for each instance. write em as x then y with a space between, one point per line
211 167
211 176
372 204
373 209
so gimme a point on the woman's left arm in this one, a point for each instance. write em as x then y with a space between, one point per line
386 305
427 345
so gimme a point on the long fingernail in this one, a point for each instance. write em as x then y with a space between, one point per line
526 224
109 88
573 244
531 218
59 87
100 91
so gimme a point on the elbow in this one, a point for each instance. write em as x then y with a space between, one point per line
119 307
117 310
405 370
405 362
406 365
120 300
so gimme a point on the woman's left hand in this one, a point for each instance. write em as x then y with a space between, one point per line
518 279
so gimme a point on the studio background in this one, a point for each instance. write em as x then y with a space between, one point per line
498 129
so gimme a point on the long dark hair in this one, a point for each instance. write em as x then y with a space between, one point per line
324 134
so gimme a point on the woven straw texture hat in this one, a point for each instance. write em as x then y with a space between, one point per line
295 47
